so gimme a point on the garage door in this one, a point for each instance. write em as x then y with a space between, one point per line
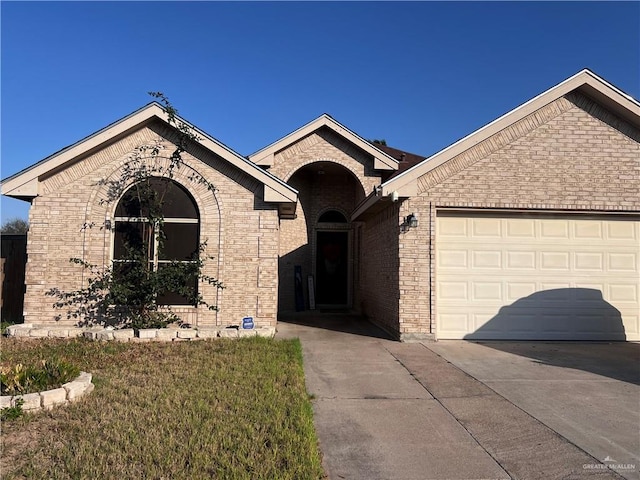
537 277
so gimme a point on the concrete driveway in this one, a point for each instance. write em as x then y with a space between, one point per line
388 410
589 393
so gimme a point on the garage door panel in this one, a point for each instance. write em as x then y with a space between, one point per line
539 278
623 292
486 259
623 262
518 229
486 228
554 261
453 259
589 261
453 291
553 229
622 231
632 326
456 323
521 260
491 323
482 291
556 322
588 230
455 227
518 290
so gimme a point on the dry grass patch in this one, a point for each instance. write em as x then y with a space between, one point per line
208 409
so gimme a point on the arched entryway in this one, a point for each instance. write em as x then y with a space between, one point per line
317 258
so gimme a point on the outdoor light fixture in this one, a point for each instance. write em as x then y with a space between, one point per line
410 221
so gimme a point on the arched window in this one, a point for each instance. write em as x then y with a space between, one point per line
157 221
332 216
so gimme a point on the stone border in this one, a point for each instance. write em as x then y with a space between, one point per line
67 393
29 330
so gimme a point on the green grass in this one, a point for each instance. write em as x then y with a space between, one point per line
231 409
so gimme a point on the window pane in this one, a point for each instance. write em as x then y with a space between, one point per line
180 241
130 234
133 287
129 205
172 296
177 203
174 200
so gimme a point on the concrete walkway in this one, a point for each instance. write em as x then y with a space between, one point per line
388 410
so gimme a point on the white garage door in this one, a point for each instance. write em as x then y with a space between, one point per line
537 277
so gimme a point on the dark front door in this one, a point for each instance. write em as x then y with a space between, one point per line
332 270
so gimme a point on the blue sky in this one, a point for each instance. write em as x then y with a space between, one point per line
419 74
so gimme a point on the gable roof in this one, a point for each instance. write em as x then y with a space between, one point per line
381 160
24 184
406 160
585 81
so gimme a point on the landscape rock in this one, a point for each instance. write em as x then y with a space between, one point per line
247 333
166 333
31 401
59 333
84 377
208 332
22 332
229 333
51 398
123 335
79 387
187 333
268 332
18 330
5 401
104 335
148 333
76 332
39 332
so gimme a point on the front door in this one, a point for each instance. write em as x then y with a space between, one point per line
332 269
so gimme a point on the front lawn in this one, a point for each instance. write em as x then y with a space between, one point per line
208 409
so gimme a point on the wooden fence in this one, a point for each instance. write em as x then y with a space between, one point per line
13 252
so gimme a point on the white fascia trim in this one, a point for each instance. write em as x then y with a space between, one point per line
265 155
581 78
241 162
365 205
29 174
12 184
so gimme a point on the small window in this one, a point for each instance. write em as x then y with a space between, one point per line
176 239
332 216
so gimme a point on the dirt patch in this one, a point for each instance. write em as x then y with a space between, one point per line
19 437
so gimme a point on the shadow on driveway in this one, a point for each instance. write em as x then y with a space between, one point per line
616 360
337 322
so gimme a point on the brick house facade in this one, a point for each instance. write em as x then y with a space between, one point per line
538 210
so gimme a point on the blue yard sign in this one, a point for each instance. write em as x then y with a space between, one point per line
247 323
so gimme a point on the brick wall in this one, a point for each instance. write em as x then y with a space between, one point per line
379 267
326 145
348 177
569 155
241 231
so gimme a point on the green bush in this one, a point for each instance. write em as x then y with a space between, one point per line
11 413
20 380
